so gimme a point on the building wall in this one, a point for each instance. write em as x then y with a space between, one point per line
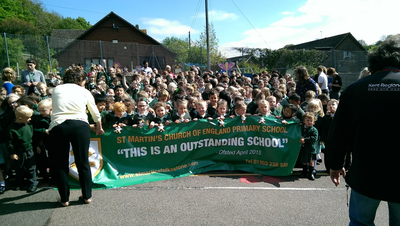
126 45
348 45
126 54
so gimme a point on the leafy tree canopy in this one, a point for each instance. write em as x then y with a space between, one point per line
27 17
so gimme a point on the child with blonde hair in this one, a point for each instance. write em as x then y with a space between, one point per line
315 107
41 125
308 143
42 88
20 147
308 96
222 109
273 106
201 111
181 115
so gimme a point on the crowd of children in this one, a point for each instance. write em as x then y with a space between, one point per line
159 100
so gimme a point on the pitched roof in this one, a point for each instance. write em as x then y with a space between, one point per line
62 37
328 43
95 26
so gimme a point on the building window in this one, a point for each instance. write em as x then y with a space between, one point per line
90 61
346 54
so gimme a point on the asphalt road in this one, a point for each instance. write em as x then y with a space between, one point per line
217 198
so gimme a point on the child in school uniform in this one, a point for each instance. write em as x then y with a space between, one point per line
42 88
309 141
91 84
256 96
117 118
263 108
201 111
162 116
213 96
192 101
130 106
222 109
295 100
240 110
20 147
315 107
181 115
101 104
40 137
207 90
309 95
164 96
144 116
272 105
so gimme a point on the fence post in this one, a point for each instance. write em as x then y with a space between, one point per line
5 45
48 52
101 54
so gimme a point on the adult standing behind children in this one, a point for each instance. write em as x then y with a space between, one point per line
31 77
373 142
322 79
69 124
304 82
336 84
8 77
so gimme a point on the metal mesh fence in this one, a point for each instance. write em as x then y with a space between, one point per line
56 54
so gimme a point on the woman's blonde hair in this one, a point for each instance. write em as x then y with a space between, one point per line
8 74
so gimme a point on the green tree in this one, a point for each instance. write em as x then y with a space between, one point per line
83 23
283 59
13 25
15 50
70 23
26 17
197 53
179 46
215 55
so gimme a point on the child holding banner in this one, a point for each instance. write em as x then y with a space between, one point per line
181 116
221 109
202 113
240 110
145 116
162 116
117 117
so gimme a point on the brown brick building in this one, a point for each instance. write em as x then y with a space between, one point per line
113 39
343 52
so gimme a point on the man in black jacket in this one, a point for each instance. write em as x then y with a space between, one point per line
365 124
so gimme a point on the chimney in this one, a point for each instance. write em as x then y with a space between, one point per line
137 26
